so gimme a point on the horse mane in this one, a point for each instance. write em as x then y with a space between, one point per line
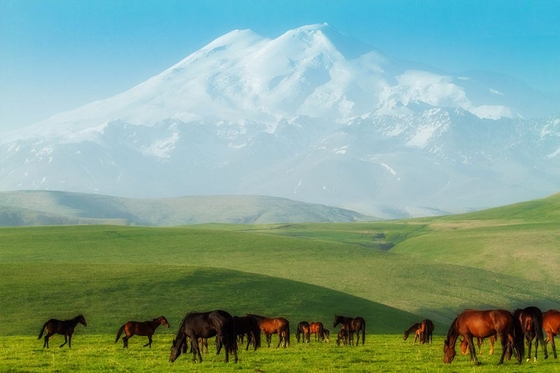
452 331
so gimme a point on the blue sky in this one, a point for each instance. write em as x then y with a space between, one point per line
56 55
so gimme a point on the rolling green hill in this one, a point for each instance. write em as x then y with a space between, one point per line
392 273
24 208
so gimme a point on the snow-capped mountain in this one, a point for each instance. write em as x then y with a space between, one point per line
312 115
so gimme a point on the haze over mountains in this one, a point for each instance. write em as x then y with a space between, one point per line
313 116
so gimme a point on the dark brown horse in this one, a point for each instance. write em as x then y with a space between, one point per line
66 328
551 326
317 328
481 324
426 330
197 325
246 325
302 332
352 325
326 335
530 320
145 328
278 325
479 341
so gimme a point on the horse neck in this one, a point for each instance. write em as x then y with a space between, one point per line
75 321
452 334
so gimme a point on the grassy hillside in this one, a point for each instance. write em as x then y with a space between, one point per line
23 208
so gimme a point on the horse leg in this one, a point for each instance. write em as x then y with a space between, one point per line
504 341
279 338
472 349
46 343
149 342
551 338
125 342
65 340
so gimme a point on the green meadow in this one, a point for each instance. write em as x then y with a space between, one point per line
392 273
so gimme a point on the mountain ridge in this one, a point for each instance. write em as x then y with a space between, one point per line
295 118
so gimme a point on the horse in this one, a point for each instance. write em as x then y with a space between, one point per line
65 328
465 345
317 328
270 326
302 331
246 325
426 330
197 325
326 335
530 320
481 324
414 328
352 325
146 328
342 337
551 326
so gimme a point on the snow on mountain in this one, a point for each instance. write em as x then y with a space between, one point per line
312 115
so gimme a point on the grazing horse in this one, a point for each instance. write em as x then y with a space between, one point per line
481 324
465 345
352 325
551 326
530 320
146 328
246 325
414 328
278 325
65 328
426 330
302 331
317 328
197 325
326 335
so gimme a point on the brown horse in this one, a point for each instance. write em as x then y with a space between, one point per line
551 326
317 328
465 345
278 325
302 332
65 328
342 337
246 325
413 329
531 322
145 328
352 325
197 325
481 324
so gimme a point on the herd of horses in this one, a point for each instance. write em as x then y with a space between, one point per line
512 329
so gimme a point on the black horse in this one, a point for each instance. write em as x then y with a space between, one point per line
352 325
530 321
205 325
65 328
249 326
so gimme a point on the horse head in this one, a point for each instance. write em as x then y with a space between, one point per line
448 352
163 321
175 350
82 320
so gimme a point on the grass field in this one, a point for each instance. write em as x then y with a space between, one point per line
381 353
392 273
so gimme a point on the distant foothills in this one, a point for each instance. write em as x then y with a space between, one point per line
29 208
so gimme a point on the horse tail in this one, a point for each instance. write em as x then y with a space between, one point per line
42 330
288 333
119 332
321 332
518 335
